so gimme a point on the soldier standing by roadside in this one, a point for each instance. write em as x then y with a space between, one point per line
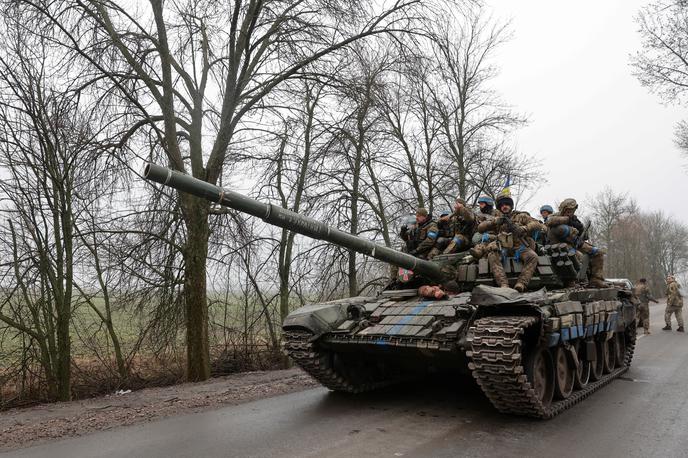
674 304
642 292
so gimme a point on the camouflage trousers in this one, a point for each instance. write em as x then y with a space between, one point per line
529 260
644 316
458 243
672 309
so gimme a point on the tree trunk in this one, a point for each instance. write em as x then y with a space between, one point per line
195 293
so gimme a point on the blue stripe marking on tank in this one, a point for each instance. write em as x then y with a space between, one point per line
416 310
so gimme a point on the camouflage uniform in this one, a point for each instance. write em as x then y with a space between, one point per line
674 304
565 227
642 292
445 234
518 244
545 212
421 239
484 212
462 227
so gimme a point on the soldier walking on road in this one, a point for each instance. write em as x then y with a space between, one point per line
674 304
642 292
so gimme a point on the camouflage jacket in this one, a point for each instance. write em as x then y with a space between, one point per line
525 227
673 293
642 292
423 237
480 216
462 222
557 220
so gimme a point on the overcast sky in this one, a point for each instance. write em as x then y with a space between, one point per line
592 124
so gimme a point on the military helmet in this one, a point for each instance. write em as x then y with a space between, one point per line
445 213
486 200
568 204
505 199
546 208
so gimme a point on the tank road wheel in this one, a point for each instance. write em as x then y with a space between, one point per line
609 355
540 373
564 373
583 370
597 366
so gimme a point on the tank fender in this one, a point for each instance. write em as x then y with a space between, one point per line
317 318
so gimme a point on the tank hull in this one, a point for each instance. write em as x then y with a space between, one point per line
534 354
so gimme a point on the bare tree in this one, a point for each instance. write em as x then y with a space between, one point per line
662 63
186 76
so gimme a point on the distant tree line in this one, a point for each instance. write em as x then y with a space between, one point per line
640 244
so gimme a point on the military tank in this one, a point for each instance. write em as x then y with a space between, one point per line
535 353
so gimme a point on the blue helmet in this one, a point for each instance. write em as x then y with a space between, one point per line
547 208
486 200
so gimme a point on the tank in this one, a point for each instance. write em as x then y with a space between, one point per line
534 353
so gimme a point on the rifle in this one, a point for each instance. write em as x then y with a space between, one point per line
583 236
517 231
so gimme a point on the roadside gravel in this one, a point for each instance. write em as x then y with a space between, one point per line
29 426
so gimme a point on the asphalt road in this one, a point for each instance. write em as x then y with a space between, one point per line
644 414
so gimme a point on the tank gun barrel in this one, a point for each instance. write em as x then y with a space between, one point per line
287 219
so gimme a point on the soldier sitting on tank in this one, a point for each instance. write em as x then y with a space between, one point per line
463 222
514 232
422 238
408 227
565 227
484 211
545 212
444 234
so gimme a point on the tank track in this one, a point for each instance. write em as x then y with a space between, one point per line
319 365
495 355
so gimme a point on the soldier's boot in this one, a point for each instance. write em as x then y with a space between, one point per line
597 271
530 263
666 328
478 251
680 329
495 260
434 252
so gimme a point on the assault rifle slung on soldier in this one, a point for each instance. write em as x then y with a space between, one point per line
534 354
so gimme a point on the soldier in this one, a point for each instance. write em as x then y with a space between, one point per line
565 227
642 292
546 211
422 238
514 238
484 211
444 234
407 228
485 208
674 304
462 227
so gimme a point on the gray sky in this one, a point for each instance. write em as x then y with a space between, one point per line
591 123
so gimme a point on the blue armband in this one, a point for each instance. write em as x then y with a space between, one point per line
432 235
